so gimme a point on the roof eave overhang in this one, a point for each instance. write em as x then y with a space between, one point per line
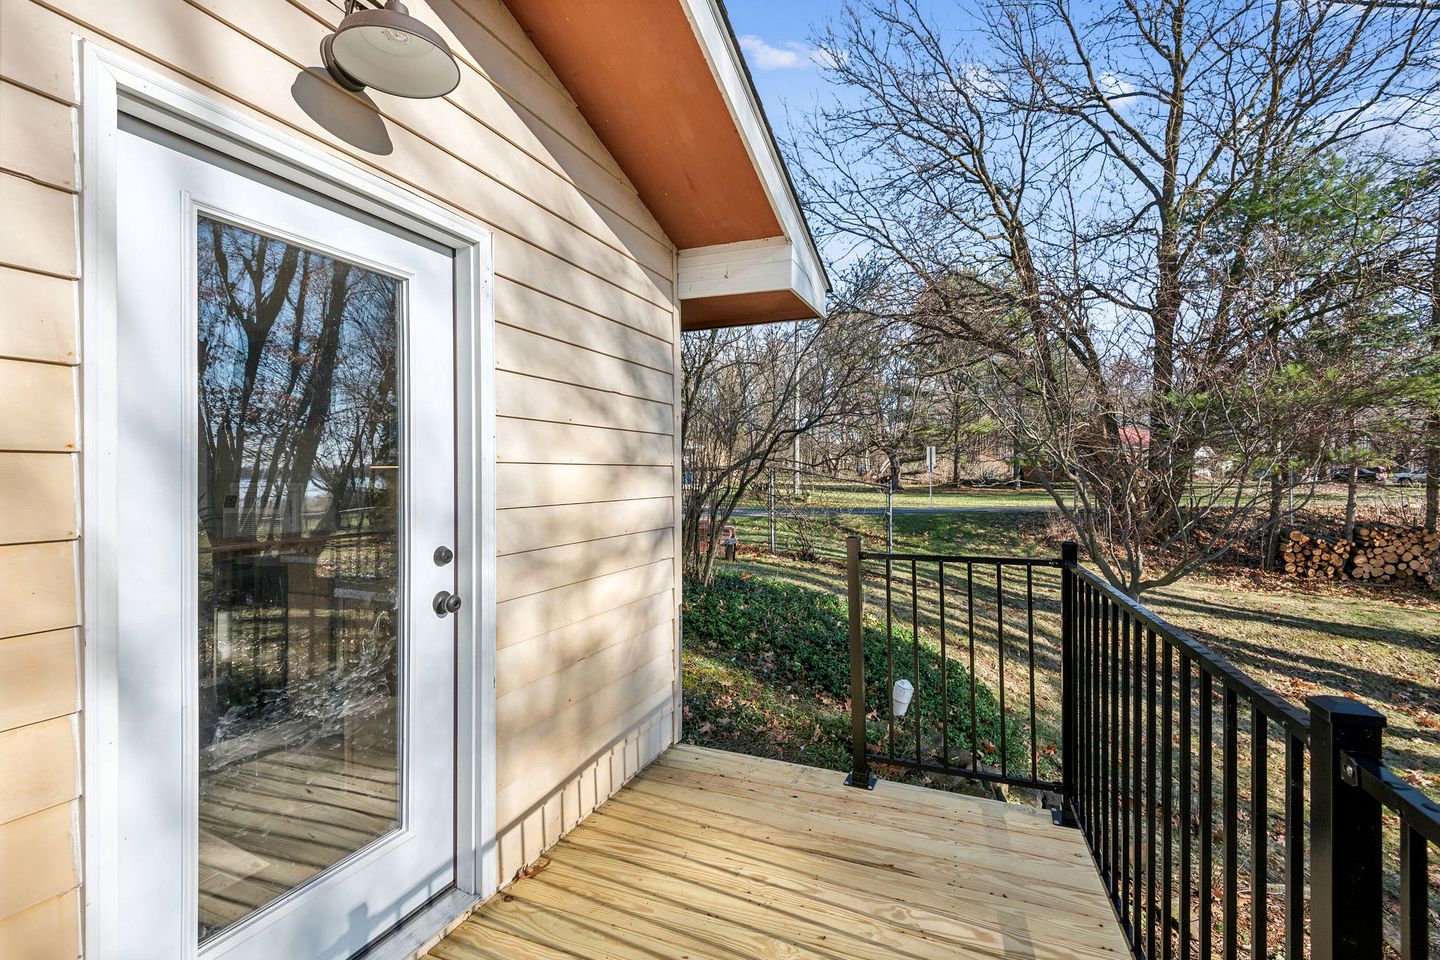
664 85
763 281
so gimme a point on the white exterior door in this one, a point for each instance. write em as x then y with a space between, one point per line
287 506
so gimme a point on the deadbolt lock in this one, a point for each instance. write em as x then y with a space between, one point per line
443 555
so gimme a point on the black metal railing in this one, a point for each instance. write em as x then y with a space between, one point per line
1187 778
963 632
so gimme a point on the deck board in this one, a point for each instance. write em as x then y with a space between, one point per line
708 855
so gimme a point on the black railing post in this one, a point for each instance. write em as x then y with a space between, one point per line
860 775
1346 908
1069 704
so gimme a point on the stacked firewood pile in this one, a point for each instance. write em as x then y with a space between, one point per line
1380 553
1315 557
1384 552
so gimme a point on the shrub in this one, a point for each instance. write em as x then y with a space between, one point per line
767 670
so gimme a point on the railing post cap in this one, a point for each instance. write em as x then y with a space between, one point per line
1069 551
1344 710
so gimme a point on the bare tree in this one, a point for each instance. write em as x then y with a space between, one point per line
749 392
1125 205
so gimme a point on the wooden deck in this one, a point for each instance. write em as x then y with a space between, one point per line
709 854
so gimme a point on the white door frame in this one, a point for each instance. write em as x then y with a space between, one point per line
110 86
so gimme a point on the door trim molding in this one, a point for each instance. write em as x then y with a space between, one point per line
109 86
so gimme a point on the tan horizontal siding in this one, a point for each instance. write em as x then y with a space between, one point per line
531 441
45 844
550 484
530 398
37 407
38 677
530 615
520 351
521 665
49 930
41 767
536 571
40 593
586 389
536 528
38 230
37 497
39 317
36 137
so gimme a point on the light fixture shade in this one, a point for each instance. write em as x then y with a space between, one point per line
900 696
391 51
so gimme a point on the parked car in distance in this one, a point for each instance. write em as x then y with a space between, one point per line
1363 474
1408 478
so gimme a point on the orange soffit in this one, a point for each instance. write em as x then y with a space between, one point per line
639 75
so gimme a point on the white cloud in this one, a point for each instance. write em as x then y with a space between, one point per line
789 55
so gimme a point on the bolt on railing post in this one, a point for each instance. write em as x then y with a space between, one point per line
860 775
1069 557
1346 906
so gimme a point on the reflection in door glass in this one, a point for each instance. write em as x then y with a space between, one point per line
299 565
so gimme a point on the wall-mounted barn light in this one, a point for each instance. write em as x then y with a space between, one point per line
389 50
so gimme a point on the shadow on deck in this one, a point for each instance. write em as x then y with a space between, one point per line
708 854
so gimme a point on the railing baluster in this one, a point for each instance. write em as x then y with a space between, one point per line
974 691
1259 833
1150 773
1186 814
1126 757
1030 646
1414 894
1000 644
1110 753
1230 817
1137 752
889 655
1167 803
944 673
1294 846
915 668
1207 802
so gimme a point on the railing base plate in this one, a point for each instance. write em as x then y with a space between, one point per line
869 784
1064 817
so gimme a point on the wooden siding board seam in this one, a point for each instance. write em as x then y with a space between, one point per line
581 543
586 618
568 583
362 160
563 423
48 185
542 379
552 295
38 271
529 331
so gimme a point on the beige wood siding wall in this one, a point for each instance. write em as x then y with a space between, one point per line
586 359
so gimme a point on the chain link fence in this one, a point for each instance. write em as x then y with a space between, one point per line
808 514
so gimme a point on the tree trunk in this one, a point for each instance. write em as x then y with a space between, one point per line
1272 521
1352 481
1432 484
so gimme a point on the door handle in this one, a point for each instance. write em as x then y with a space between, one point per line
445 603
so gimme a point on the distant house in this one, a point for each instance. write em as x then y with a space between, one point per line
339 571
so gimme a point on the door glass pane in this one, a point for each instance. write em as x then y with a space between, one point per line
299 517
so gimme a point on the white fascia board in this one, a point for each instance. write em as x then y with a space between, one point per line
751 266
727 67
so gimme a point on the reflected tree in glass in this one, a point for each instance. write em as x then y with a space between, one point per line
300 482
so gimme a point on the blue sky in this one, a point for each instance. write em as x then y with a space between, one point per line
775 35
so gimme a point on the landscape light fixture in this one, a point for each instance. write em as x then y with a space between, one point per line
900 696
389 50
